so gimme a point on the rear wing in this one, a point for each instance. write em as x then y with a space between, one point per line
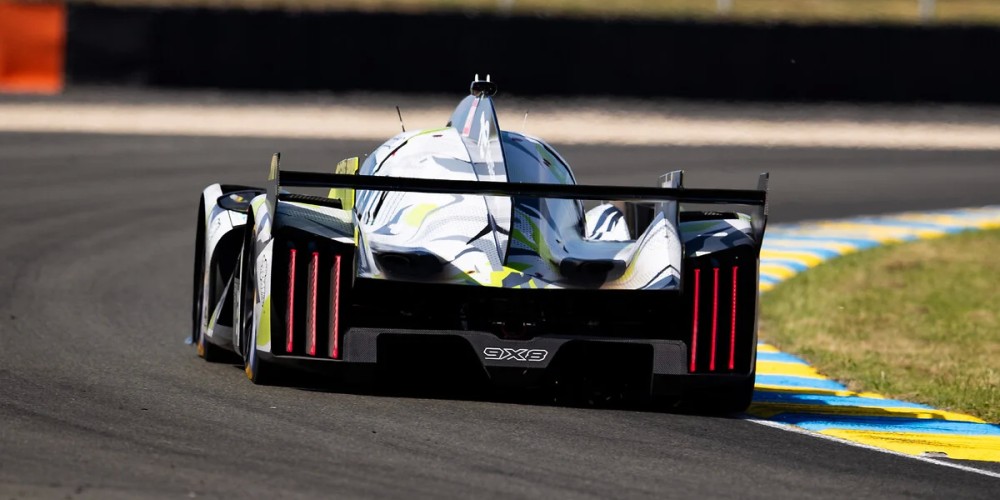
756 199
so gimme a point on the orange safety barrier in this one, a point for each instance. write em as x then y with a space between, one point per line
32 47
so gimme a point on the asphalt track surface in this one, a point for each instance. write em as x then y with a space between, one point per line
100 397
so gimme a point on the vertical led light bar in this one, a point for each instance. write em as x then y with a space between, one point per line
715 318
335 309
732 323
290 313
311 304
694 326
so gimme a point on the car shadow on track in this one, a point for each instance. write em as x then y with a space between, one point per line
470 383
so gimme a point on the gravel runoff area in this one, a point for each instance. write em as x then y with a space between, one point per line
362 116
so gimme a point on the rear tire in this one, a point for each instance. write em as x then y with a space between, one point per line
259 372
211 352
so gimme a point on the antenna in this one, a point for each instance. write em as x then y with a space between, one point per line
524 124
400 115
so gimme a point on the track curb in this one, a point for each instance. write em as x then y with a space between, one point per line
791 392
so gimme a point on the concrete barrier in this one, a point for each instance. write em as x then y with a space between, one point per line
337 51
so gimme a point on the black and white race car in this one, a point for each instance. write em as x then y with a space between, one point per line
475 243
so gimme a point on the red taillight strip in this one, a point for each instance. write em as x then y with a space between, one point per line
290 313
715 318
694 327
311 306
732 323
335 309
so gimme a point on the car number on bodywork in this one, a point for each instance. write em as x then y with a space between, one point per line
508 354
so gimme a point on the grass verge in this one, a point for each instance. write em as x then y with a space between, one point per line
919 321
808 11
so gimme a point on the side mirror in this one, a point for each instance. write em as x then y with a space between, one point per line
238 201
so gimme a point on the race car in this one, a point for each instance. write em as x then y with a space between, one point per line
469 244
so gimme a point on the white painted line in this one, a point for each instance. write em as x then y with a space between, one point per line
799 430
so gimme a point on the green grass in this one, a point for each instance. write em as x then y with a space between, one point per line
918 321
892 11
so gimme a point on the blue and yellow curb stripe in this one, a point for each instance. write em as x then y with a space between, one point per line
789 391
